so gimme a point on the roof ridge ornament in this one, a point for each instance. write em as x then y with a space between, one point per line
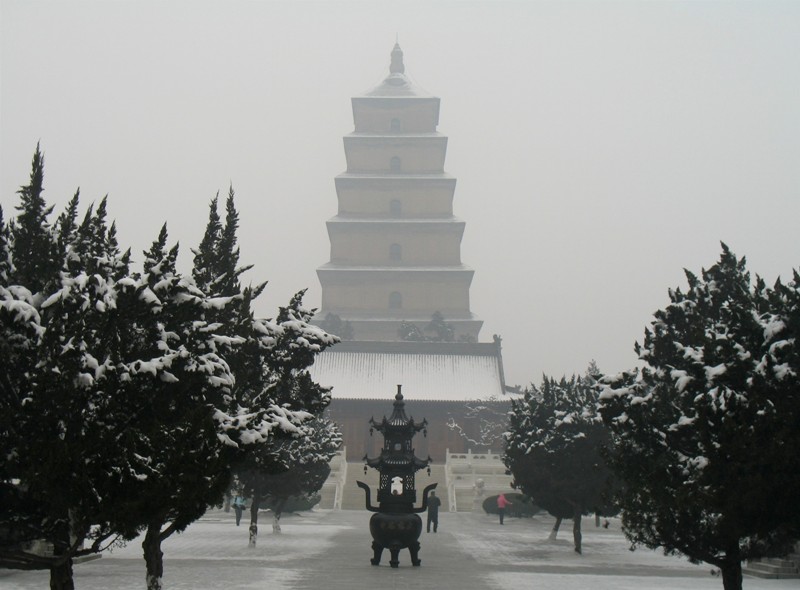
396 66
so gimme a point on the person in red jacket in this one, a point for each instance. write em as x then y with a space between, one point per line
501 506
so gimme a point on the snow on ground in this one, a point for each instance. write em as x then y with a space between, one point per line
327 549
525 543
523 556
211 553
505 580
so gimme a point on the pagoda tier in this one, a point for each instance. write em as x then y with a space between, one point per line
395 244
388 196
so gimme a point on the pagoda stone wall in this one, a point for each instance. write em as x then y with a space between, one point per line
395 245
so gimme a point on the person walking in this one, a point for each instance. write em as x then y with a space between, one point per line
502 502
238 507
433 511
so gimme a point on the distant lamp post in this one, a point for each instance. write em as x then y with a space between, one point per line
395 524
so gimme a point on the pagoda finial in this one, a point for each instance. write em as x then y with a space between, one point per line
396 66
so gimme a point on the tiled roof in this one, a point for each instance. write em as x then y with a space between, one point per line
426 370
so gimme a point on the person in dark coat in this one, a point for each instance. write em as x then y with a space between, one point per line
238 507
433 511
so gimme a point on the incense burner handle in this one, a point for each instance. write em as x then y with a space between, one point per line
368 492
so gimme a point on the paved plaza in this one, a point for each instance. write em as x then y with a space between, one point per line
331 550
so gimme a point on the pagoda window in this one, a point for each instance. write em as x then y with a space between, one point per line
395 252
395 164
396 207
395 300
395 125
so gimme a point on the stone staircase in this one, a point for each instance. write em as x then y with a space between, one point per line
340 491
464 480
332 489
352 496
775 569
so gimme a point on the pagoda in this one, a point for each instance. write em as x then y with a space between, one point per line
395 257
395 251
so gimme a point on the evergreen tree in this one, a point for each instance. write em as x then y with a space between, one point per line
438 328
269 359
294 465
333 324
33 234
68 401
442 331
6 265
97 368
194 406
706 433
553 450
205 256
118 406
410 332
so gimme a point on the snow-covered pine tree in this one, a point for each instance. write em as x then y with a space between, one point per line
438 328
553 449
441 330
64 456
5 252
706 433
410 332
84 354
270 358
182 465
291 466
20 333
333 324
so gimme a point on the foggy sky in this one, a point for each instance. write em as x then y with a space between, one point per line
599 147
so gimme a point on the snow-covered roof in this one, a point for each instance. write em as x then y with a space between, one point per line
426 370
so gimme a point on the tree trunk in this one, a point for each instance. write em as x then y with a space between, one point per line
253 521
278 511
227 502
556 526
576 529
61 571
276 523
61 576
731 569
596 520
153 556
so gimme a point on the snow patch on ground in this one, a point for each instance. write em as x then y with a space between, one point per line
506 580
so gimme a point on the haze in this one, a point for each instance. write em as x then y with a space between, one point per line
600 147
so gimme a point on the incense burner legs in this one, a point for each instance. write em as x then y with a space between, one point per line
395 531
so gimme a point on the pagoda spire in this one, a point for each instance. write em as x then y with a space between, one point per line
396 66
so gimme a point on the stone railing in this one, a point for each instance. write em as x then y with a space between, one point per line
338 476
472 476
